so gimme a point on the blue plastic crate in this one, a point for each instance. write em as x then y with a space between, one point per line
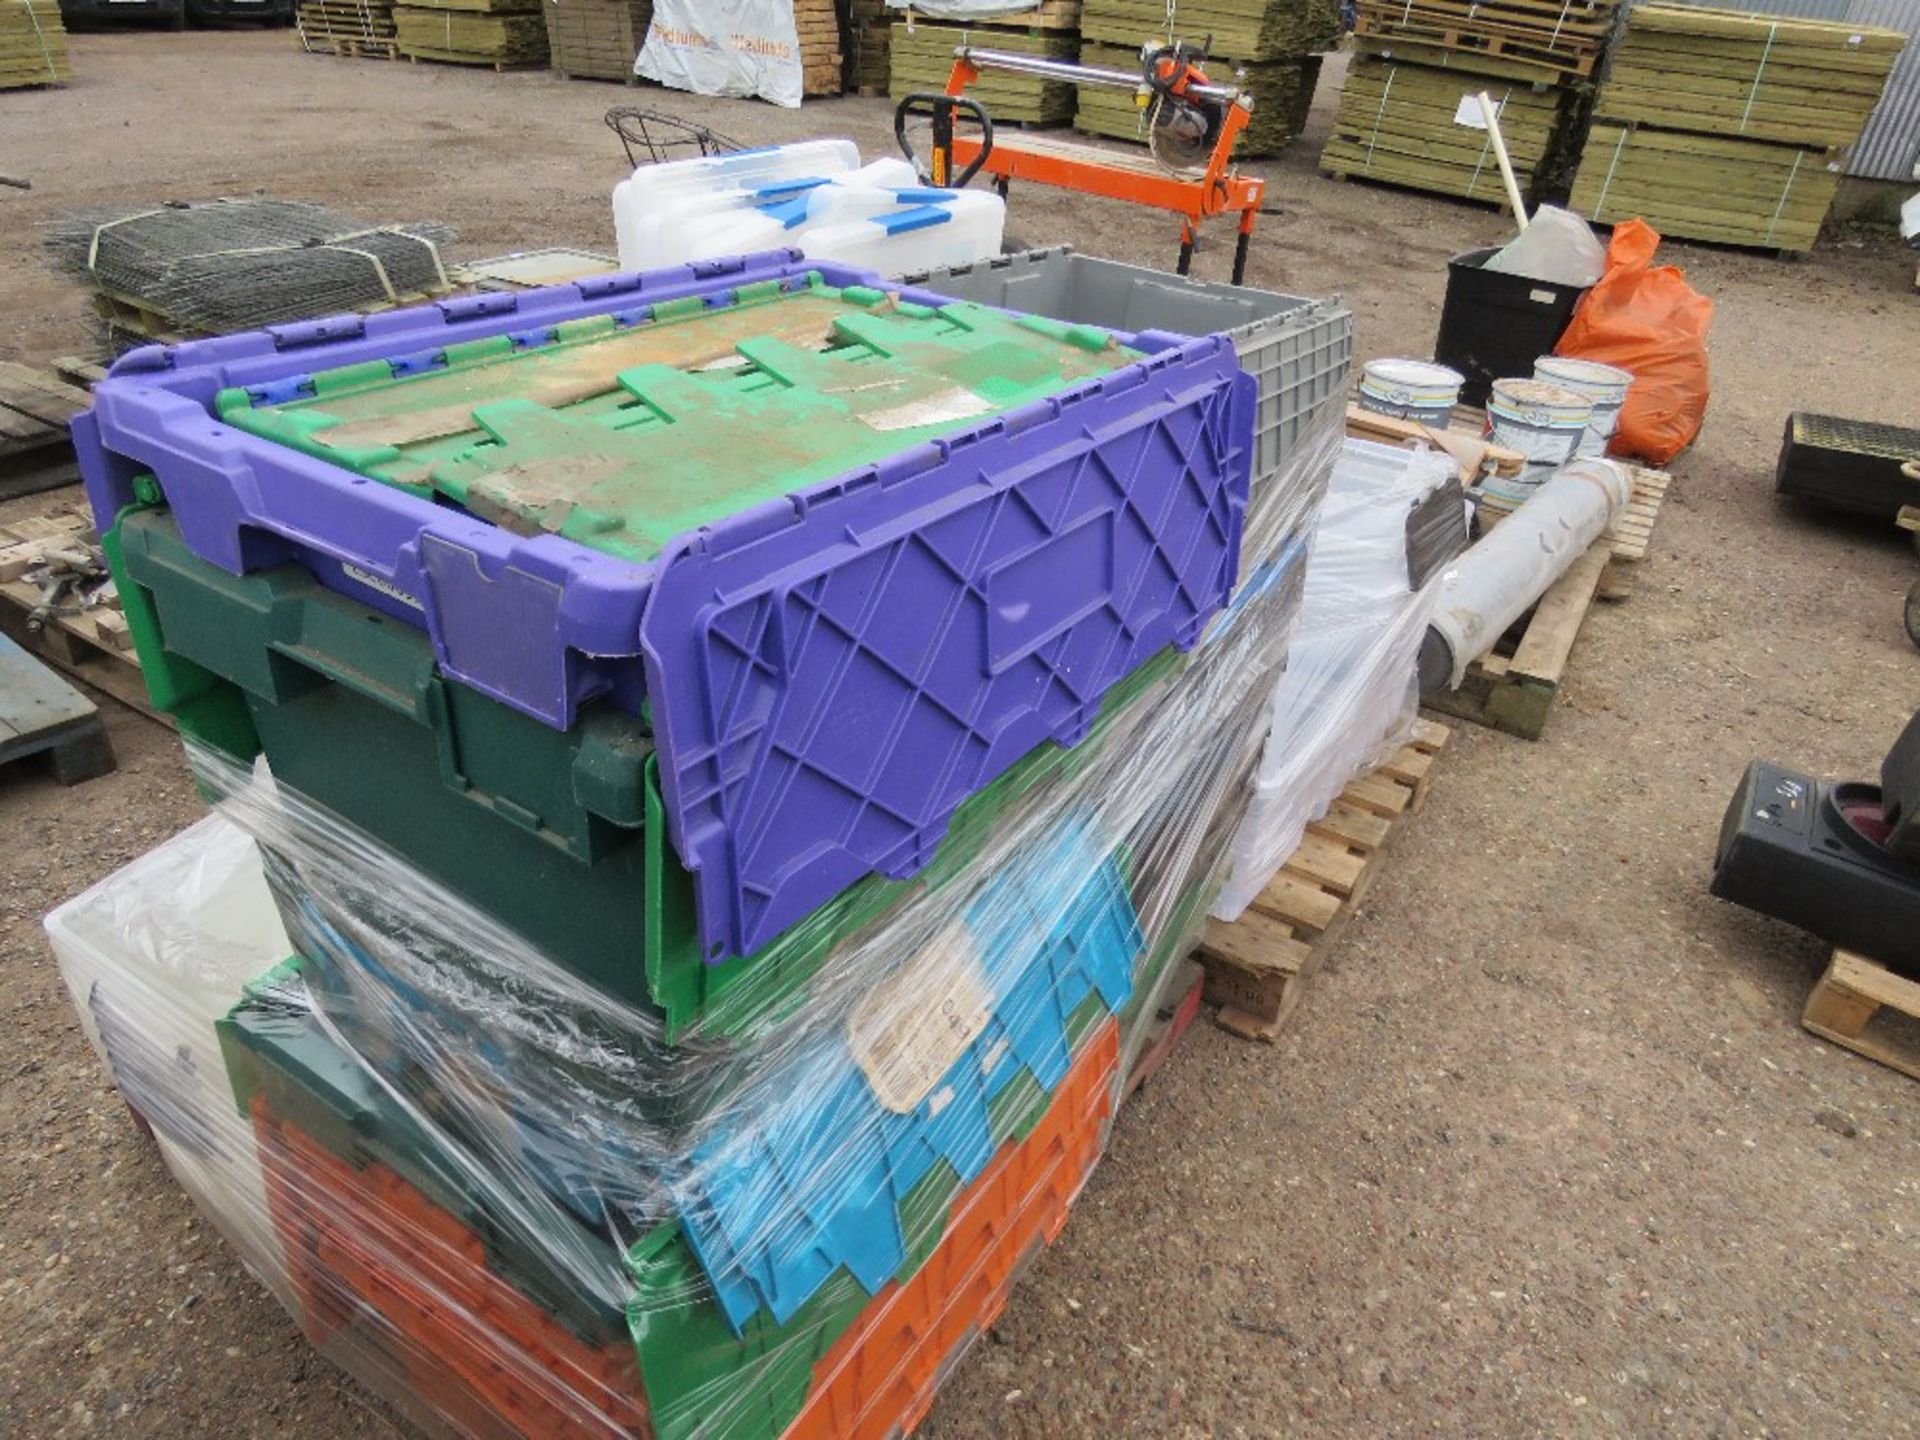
830 675
816 1180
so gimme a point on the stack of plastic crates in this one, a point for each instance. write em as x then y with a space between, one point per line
708 872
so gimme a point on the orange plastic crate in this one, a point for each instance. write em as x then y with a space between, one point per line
363 1245
879 1379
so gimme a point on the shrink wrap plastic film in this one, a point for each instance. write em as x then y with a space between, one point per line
506 1202
1349 695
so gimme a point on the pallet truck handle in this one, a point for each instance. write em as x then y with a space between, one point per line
940 109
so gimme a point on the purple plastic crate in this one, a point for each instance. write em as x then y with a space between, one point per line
830 675
541 623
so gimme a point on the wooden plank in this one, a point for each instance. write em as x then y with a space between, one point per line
1408 764
1516 692
38 393
1329 862
1379 794
1350 825
1297 901
1543 650
40 714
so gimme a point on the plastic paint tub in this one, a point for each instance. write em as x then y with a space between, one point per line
1544 422
1415 390
1605 385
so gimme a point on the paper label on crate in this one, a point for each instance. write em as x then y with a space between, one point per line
942 409
908 1032
375 582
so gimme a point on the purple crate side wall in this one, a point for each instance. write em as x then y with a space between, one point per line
831 678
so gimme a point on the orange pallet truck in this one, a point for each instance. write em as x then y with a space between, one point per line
1191 125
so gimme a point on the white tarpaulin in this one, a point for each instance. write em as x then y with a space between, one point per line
724 47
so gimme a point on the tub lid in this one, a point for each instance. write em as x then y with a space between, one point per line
1414 374
1583 372
1540 395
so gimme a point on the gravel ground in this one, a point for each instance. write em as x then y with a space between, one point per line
1545 1151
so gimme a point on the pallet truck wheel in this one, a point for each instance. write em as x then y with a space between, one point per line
1912 615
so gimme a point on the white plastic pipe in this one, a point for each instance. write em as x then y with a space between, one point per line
1491 586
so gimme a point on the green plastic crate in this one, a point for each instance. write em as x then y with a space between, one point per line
559 834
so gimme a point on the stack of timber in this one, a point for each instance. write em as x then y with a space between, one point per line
922 59
817 23
596 39
1552 40
1270 48
1246 32
869 33
1707 187
1402 123
33 44
358 28
1406 115
1723 126
1753 77
505 34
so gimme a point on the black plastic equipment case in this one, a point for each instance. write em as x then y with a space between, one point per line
1810 852
1848 464
1900 793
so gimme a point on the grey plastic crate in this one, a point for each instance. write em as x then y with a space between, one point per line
1299 350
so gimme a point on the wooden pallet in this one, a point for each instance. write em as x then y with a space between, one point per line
1513 687
1569 60
348 48
40 714
1851 996
1258 967
1632 529
36 450
93 645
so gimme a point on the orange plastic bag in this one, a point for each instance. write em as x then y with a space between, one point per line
1647 320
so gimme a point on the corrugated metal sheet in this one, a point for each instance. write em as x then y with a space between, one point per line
1889 148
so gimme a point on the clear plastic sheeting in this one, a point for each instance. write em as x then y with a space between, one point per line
509 1203
1348 697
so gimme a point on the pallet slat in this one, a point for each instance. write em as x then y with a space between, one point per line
1258 967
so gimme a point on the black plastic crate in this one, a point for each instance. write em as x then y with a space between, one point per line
1848 464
